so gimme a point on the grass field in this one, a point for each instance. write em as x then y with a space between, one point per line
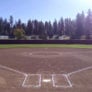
45 46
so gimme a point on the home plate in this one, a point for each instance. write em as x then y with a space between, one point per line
46 80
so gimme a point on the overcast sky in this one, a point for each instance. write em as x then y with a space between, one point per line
43 9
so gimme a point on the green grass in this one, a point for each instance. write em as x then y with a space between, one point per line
45 46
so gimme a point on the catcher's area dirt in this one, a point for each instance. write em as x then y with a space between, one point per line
45 60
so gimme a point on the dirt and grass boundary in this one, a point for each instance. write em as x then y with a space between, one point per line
45 46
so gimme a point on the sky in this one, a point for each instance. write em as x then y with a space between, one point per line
43 10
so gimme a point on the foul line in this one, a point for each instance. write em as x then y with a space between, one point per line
13 70
80 70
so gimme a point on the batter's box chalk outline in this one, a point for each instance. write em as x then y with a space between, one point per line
25 85
66 79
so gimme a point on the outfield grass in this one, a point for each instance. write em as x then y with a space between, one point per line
44 46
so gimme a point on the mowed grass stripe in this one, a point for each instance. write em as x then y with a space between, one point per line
45 46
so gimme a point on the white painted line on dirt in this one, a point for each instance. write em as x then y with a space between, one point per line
61 86
53 81
80 70
68 80
34 86
16 71
23 84
39 75
40 80
36 54
13 70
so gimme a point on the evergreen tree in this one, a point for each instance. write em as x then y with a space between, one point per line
79 25
29 28
61 30
89 24
55 28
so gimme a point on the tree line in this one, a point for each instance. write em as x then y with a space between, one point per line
79 28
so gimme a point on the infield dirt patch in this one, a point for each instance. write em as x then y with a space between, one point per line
45 61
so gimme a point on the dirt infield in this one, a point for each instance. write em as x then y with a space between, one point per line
72 69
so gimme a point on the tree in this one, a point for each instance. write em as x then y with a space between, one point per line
11 21
19 33
70 28
6 29
19 24
46 27
50 30
1 26
76 29
29 28
42 33
61 27
80 25
89 24
35 27
55 28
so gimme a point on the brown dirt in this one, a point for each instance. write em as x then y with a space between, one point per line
82 79
45 61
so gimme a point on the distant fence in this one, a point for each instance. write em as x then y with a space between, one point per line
45 41
4 37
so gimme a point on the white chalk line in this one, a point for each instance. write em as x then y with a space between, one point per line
23 84
66 76
16 71
80 70
12 70
75 72
26 78
62 86
68 80
34 54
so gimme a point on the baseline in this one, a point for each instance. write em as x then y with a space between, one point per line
80 70
13 70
